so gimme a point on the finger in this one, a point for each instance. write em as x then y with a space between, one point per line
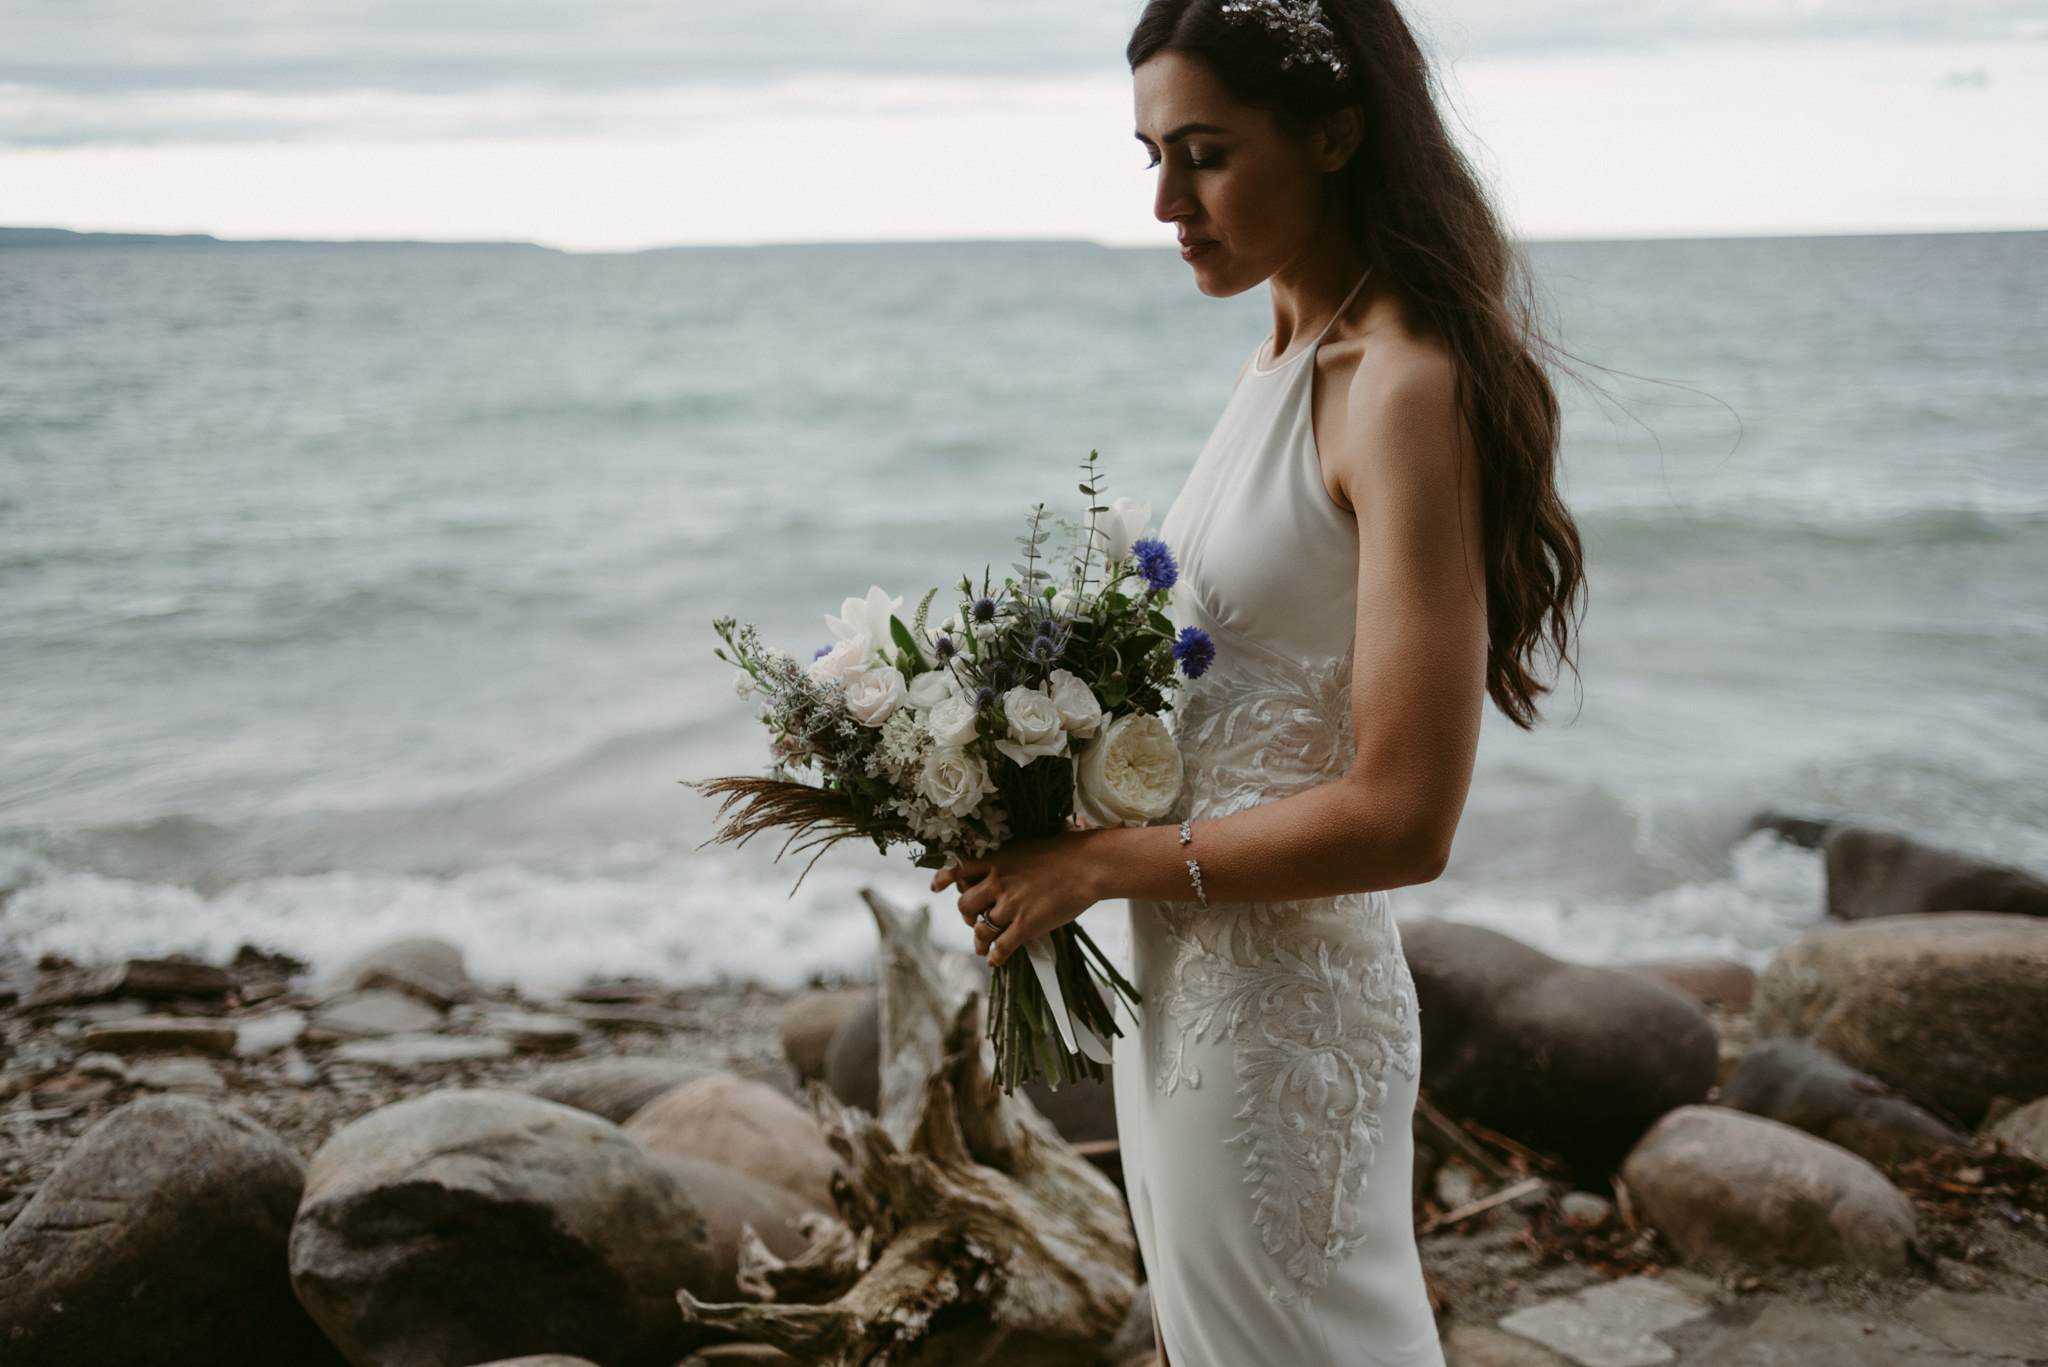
1006 944
979 898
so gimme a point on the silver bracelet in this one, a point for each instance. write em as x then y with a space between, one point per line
1195 873
1187 832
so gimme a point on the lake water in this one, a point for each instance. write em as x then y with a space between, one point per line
347 593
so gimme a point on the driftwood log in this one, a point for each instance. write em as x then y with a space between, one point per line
969 1232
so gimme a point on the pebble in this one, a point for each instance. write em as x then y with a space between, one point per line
416 1051
1584 1210
162 1035
188 1076
534 1031
379 1011
256 1036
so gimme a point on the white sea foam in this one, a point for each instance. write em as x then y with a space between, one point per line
687 922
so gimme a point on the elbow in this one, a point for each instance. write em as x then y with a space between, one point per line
1422 853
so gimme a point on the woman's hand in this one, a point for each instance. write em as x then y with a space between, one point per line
1026 889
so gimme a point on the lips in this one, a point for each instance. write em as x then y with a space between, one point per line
1189 250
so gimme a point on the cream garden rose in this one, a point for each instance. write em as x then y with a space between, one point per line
931 688
873 694
1080 712
847 658
1035 729
1129 774
954 780
952 721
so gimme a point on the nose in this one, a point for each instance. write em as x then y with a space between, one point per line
1172 198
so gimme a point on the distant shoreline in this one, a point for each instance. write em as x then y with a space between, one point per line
65 237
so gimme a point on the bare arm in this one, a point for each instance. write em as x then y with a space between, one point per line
1394 449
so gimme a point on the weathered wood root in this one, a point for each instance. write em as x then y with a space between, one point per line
972 1234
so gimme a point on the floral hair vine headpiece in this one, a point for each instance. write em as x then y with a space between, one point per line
1309 37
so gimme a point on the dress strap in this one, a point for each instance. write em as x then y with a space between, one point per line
1341 307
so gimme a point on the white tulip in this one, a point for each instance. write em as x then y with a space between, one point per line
873 694
952 721
1128 775
954 780
931 688
1126 521
1034 727
867 616
1080 712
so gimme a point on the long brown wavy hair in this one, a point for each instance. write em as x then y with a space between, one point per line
1421 219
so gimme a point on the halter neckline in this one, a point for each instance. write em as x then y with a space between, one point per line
1279 366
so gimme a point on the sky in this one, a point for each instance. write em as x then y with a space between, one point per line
620 124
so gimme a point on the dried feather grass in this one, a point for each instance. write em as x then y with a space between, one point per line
749 805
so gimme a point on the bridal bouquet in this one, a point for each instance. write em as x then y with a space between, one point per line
1032 702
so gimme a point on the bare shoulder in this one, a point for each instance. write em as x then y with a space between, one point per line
1387 409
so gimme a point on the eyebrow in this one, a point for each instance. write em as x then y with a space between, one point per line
1181 132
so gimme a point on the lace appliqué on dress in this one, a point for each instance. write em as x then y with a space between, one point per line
1314 995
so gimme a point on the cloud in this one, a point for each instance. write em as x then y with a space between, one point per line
85 72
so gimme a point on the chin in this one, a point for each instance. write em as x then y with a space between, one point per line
1220 282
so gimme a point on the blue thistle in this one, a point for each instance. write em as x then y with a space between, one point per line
984 610
1045 650
984 698
1195 651
821 652
1155 564
945 648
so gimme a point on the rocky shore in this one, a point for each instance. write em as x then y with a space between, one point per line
1838 1160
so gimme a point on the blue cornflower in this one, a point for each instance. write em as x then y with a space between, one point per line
1195 651
1155 563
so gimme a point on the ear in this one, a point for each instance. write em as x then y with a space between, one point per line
1337 136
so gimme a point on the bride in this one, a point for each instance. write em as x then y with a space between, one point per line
1373 540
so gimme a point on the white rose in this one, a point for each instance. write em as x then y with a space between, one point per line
931 688
954 780
851 656
873 694
952 721
1126 521
1129 774
1079 711
867 616
1034 726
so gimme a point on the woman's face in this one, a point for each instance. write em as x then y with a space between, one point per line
1245 198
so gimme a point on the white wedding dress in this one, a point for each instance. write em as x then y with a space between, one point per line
1264 1100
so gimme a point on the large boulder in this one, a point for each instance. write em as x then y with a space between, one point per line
462 1226
1876 873
159 1241
1729 1189
1950 1008
743 1124
1710 982
1561 1056
614 1088
731 1201
1083 1112
1799 1085
808 1024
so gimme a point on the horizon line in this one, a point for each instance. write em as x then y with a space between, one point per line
34 236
